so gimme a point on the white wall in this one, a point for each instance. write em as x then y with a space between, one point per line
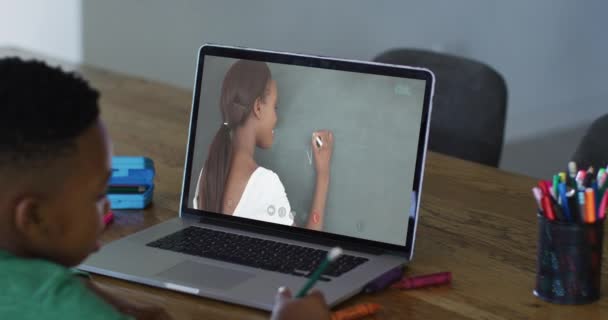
50 27
551 52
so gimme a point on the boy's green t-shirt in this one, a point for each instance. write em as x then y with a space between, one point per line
38 290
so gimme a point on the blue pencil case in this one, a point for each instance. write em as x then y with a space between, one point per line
132 182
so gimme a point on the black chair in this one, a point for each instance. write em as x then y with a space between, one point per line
593 148
469 107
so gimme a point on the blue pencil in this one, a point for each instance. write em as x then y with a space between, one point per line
564 200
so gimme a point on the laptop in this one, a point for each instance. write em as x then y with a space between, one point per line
288 156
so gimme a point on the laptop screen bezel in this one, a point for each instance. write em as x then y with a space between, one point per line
323 63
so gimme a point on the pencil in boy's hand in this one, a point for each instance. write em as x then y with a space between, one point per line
332 256
356 312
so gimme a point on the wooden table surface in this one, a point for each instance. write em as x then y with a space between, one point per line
477 222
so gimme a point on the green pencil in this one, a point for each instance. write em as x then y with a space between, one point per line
332 255
556 180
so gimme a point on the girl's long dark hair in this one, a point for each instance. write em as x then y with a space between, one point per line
244 82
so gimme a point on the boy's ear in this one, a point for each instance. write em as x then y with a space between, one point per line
27 217
257 108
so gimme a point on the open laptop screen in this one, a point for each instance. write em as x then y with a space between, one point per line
309 147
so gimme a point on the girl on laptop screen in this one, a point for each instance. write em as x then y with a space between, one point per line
231 182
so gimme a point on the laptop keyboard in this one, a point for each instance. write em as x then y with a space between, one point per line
254 252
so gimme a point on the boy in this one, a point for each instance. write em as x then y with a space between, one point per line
55 158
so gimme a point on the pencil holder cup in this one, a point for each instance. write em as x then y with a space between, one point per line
569 261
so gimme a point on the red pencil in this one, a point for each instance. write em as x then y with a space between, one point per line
543 188
548 208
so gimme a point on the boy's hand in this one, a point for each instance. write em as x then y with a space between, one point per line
311 307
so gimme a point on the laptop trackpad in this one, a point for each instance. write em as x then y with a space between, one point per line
204 275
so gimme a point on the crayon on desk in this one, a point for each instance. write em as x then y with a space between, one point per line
357 312
384 281
424 281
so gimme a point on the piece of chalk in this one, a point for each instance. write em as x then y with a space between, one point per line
319 142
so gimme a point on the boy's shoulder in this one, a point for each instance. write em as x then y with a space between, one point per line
21 272
39 289
14 266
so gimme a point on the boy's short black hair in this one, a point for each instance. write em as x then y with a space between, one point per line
42 111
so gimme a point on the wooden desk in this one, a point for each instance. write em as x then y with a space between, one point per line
476 221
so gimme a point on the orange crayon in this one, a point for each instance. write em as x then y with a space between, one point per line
356 312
